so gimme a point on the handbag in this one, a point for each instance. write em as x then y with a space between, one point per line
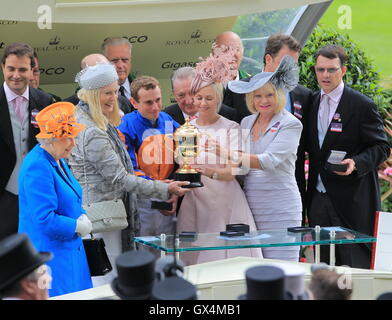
108 215
97 258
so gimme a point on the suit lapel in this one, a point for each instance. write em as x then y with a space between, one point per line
271 131
5 121
313 120
344 114
33 110
68 179
291 102
181 115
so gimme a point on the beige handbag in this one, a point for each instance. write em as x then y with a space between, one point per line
105 216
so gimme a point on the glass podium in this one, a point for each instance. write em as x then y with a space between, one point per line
259 239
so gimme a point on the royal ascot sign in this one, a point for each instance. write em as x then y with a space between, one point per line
158 48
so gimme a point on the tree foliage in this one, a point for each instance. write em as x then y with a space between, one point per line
361 73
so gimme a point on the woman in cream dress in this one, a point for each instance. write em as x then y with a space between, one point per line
221 201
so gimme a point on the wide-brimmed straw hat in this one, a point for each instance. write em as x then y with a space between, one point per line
58 121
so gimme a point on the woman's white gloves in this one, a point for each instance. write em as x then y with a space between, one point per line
83 226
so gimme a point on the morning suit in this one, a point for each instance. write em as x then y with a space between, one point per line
272 191
357 129
300 99
8 201
176 113
50 202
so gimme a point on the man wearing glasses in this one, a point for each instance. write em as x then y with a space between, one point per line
343 121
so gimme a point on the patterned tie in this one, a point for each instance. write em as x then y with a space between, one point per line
122 89
18 106
324 115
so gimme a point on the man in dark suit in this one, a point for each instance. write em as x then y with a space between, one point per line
181 81
297 101
91 60
18 104
35 80
343 119
119 52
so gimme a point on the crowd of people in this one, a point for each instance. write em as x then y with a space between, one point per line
113 140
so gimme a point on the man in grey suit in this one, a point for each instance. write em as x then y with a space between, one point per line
19 103
181 81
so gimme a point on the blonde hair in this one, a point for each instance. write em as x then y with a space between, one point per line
218 90
279 95
92 98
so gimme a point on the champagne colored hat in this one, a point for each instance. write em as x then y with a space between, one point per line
58 121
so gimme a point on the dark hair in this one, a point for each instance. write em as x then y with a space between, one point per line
19 49
324 285
332 52
145 82
277 41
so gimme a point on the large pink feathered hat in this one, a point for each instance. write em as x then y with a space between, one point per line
215 68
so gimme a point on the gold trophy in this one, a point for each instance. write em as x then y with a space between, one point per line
186 140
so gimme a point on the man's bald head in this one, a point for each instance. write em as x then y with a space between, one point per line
92 60
231 39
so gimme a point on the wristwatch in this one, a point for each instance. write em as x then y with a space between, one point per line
214 176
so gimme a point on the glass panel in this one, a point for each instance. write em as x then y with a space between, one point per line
254 30
257 239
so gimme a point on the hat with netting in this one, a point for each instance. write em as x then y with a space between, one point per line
285 77
98 76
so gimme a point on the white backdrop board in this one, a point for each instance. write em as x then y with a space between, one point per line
382 250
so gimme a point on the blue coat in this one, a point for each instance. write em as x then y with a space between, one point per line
49 205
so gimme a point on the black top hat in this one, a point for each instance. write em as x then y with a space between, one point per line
18 258
174 288
136 275
264 283
385 296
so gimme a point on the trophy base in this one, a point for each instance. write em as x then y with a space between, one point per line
193 178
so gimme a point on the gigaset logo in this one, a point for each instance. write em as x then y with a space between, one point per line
176 65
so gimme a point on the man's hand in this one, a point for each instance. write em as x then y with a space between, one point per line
350 167
173 200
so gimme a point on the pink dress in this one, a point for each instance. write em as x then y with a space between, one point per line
208 209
